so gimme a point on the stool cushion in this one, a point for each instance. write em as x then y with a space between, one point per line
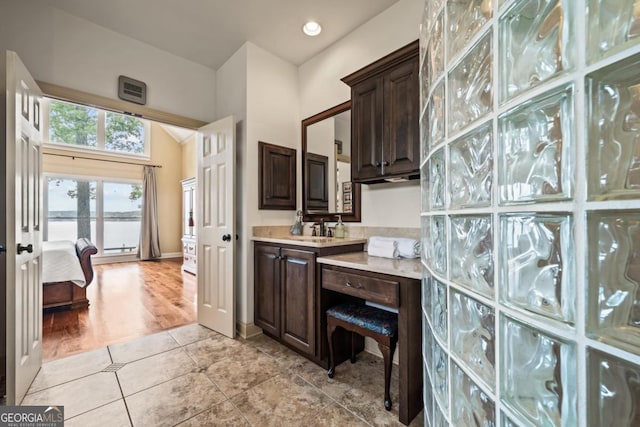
374 319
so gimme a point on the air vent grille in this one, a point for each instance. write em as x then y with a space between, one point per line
132 90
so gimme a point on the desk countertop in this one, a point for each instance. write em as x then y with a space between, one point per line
410 268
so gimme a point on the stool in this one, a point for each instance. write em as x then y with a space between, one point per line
381 325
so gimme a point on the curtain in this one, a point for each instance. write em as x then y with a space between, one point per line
149 247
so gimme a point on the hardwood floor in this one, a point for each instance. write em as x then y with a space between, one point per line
128 300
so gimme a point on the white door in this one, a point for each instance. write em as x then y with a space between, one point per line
216 226
22 226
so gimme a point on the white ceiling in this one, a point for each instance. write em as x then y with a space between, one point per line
210 31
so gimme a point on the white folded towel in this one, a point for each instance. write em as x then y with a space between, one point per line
387 249
407 248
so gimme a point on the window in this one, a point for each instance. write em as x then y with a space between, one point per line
108 213
87 128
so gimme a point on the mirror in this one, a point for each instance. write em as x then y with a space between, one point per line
327 189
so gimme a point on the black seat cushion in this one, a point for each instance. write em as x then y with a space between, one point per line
374 319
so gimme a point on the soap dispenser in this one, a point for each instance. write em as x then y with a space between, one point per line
339 229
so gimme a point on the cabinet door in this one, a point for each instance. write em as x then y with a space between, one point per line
401 153
298 299
366 129
267 288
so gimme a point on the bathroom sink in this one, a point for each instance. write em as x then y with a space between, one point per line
312 238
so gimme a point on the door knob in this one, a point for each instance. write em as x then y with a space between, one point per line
2 249
226 238
28 248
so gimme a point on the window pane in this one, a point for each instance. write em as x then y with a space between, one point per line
124 134
73 124
122 214
71 209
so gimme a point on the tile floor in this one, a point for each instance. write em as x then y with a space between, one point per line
191 376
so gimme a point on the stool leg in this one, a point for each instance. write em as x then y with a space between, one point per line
353 347
387 354
331 328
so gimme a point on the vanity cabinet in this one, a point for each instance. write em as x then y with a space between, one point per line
385 107
287 293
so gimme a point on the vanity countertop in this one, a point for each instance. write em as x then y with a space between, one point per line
402 267
310 241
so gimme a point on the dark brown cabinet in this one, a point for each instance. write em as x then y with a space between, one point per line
277 172
284 295
287 302
384 117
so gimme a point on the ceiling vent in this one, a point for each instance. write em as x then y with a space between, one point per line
132 90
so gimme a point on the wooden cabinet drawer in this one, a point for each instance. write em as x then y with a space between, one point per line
374 289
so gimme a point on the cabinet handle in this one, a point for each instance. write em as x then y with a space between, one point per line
378 164
357 285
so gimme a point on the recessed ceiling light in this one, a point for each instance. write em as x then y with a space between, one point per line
311 28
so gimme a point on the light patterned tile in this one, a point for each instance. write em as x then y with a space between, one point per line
70 368
211 350
114 415
142 347
243 371
282 400
174 401
145 373
80 395
191 333
333 415
222 415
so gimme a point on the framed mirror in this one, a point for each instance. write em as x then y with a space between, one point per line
327 189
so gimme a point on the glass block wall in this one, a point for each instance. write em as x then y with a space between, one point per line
530 186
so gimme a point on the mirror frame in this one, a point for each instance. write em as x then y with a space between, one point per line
355 197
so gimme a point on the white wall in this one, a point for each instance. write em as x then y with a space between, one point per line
261 90
68 51
320 88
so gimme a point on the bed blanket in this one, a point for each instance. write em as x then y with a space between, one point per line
60 263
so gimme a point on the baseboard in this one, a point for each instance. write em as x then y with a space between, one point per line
97 260
247 330
371 347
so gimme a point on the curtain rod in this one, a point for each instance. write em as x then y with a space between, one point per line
101 160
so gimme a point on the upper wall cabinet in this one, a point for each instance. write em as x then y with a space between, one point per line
384 118
277 171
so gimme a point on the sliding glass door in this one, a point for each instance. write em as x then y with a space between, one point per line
105 212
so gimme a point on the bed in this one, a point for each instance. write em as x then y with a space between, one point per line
66 273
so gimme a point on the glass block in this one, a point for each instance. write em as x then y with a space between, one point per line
614 277
613 95
471 253
441 375
439 309
538 375
437 244
424 187
537 147
612 26
506 421
427 349
427 397
435 53
473 336
436 180
538 272
470 405
470 86
536 44
436 111
471 168
424 83
439 419
426 295
425 232
435 10
425 26
614 391
465 18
